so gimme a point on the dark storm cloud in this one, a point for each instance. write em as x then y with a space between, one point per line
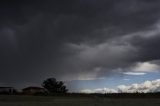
66 38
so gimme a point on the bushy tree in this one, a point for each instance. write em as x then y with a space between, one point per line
54 86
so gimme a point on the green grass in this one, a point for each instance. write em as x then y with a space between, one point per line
75 101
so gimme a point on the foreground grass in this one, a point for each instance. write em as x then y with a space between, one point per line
75 101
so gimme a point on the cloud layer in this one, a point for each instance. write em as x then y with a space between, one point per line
77 39
145 87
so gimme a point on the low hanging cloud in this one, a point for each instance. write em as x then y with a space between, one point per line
92 60
142 68
146 67
134 73
123 52
145 87
100 90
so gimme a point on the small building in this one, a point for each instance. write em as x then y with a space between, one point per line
7 90
33 90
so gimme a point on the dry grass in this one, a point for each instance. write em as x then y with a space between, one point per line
75 101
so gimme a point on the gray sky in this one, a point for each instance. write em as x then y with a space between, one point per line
76 39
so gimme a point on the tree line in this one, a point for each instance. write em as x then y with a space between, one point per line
50 86
53 86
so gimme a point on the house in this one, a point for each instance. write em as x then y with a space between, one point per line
33 90
7 90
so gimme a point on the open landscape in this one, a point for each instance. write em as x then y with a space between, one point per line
79 52
21 100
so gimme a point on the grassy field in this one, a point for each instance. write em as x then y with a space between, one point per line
75 101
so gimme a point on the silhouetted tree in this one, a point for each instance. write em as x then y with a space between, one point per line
54 86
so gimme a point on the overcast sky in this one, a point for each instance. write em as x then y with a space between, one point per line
77 40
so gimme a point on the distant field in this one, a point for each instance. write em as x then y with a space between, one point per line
75 101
